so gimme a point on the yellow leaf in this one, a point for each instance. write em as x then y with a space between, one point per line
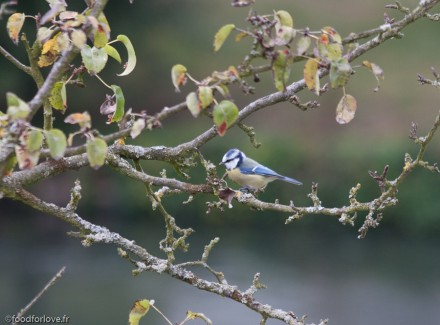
221 36
14 25
139 310
346 109
49 53
82 119
193 104
311 76
240 36
178 76
284 18
50 45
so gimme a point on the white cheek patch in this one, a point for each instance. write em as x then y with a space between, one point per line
231 164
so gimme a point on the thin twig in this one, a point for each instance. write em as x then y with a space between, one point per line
26 69
52 281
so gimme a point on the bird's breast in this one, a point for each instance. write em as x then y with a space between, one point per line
254 181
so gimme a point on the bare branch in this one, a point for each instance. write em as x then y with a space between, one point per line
52 281
26 69
97 234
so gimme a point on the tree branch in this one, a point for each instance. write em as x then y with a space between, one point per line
97 234
26 69
52 281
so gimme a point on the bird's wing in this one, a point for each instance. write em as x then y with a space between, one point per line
259 170
264 171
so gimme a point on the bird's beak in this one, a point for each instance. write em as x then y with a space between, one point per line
221 163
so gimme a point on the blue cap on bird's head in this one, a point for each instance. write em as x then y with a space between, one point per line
232 158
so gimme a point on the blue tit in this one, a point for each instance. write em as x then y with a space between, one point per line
249 173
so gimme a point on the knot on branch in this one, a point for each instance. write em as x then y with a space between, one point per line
75 197
380 179
345 219
353 194
249 130
314 196
307 105
369 222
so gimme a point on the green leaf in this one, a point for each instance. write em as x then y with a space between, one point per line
100 37
330 44
340 72
14 26
120 104
224 115
303 44
34 140
284 18
111 51
131 63
57 143
221 36
96 152
346 109
281 67
178 76
17 108
193 104
139 310
205 96
94 59
57 96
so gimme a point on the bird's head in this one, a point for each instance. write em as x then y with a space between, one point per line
233 159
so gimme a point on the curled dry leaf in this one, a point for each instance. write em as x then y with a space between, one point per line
346 109
227 195
14 26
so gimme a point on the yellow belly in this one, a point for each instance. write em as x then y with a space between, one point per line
254 181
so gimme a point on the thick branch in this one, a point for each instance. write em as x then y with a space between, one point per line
135 152
98 234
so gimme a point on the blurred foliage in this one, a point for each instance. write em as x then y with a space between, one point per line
309 146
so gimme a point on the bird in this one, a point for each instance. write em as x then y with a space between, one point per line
249 173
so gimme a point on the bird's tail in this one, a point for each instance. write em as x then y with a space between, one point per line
290 180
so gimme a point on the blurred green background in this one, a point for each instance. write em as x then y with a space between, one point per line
314 266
